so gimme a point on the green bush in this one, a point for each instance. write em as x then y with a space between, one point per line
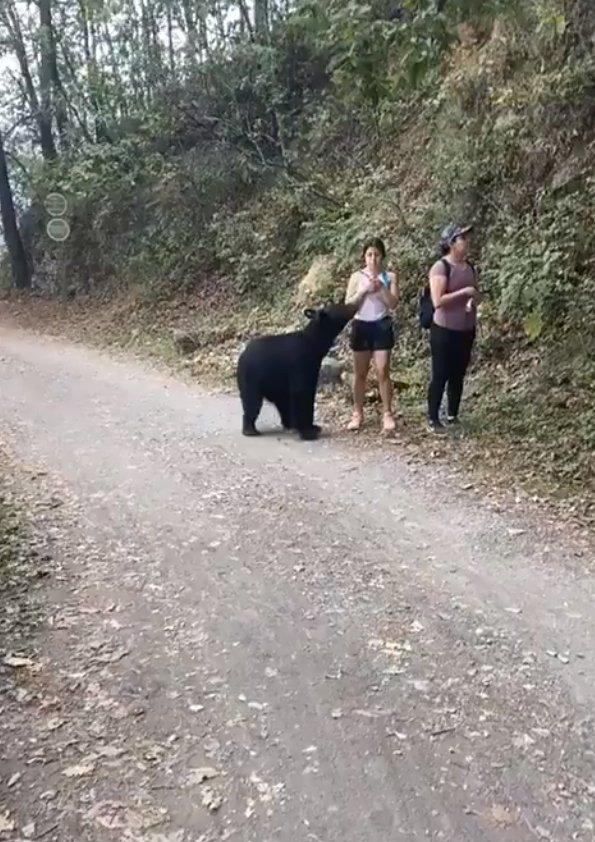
258 257
536 266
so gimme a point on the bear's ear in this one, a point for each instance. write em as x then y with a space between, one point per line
309 313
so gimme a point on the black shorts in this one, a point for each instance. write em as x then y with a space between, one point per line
372 336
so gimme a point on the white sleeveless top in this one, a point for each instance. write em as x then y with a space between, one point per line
373 309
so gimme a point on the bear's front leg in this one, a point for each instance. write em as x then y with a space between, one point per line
310 433
303 395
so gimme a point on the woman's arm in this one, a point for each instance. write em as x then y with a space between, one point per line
442 298
353 294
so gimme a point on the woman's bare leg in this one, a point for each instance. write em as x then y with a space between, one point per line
385 386
361 366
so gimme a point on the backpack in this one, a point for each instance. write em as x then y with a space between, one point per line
426 308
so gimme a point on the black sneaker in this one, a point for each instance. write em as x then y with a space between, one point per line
452 420
436 427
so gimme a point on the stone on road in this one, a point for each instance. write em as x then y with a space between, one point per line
262 640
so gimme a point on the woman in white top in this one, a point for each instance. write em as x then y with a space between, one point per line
372 333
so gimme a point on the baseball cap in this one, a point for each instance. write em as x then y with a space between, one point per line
452 231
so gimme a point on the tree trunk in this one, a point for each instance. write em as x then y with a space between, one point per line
203 37
136 60
44 125
14 244
94 79
245 18
190 32
146 52
45 74
154 46
60 100
170 41
71 73
261 17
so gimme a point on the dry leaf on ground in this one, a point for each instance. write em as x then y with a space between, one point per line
114 815
6 823
500 816
80 770
199 776
211 799
18 663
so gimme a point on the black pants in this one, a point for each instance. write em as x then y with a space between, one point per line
451 353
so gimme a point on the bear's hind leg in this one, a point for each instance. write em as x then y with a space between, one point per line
282 403
252 404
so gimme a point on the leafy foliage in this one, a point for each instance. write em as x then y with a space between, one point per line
229 148
536 266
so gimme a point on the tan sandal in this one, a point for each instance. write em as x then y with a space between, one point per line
356 422
388 423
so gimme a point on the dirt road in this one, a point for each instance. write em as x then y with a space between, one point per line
264 640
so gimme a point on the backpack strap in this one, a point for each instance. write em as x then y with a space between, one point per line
447 271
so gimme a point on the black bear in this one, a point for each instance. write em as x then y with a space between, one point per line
283 369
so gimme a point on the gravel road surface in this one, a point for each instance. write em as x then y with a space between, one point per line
276 641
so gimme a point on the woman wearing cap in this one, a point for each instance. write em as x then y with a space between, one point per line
453 287
372 332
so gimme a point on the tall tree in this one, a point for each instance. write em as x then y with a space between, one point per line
45 67
245 22
261 17
14 244
10 18
170 40
48 49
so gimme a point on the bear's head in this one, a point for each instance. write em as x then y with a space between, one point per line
327 322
